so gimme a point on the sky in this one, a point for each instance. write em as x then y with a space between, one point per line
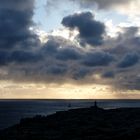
69 49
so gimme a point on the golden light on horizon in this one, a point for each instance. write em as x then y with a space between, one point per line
10 90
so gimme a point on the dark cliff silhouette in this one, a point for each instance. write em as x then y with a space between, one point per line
91 123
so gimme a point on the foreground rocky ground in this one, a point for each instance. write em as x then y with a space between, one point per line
79 124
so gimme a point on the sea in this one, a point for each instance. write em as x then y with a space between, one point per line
11 111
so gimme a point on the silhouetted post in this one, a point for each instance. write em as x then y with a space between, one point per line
95 104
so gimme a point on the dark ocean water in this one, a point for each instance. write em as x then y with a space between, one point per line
11 111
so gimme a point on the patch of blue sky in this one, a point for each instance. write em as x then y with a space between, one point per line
116 17
49 19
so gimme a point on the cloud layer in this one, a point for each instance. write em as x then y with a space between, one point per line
103 4
23 57
100 4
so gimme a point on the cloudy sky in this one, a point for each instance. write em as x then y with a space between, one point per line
69 49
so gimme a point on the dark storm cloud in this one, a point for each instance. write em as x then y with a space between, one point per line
19 57
68 54
24 57
129 60
16 39
98 59
125 48
102 4
90 31
61 49
4 57
50 47
129 38
15 20
126 42
19 5
81 73
129 82
57 70
108 74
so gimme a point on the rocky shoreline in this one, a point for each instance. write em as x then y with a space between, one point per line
78 124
